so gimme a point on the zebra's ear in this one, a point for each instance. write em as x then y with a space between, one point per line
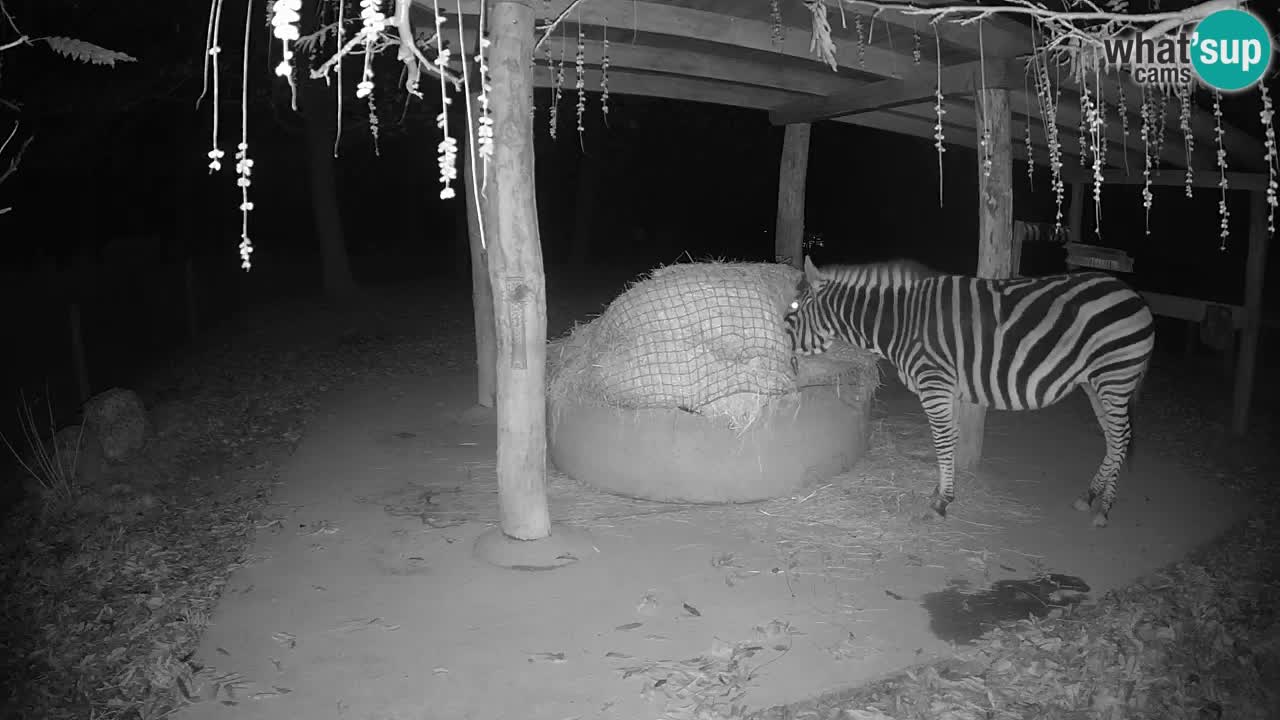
811 273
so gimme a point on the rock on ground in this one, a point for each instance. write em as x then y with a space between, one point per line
118 420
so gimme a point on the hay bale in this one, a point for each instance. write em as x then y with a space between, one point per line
703 337
639 397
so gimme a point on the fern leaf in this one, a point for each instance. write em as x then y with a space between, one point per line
86 52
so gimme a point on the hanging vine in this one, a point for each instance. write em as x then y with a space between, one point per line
244 165
557 86
1070 38
986 148
285 15
580 63
448 147
1148 122
211 76
775 22
1124 124
1188 138
862 40
604 73
939 110
1224 214
1031 160
484 126
1267 116
1048 102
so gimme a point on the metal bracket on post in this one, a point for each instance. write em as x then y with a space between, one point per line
517 295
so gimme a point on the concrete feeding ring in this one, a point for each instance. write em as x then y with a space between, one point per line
800 439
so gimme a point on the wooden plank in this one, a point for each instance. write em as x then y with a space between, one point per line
793 170
672 87
1255 272
915 88
995 240
518 281
1185 308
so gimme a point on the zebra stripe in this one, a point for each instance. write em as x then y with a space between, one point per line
1015 344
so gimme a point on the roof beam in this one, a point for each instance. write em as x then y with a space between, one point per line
1000 37
893 121
911 90
765 72
756 98
710 28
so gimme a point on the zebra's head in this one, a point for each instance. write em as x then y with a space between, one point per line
808 325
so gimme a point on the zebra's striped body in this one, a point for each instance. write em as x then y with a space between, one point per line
1016 344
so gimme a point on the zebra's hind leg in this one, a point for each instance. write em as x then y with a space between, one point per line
1114 420
1084 502
938 408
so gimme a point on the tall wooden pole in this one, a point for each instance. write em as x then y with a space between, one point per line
788 243
995 238
481 289
518 280
1255 269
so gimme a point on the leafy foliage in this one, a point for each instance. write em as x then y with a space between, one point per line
87 52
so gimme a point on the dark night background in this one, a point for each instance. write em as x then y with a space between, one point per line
115 186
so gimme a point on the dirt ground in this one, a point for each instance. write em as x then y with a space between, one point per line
361 597
296 542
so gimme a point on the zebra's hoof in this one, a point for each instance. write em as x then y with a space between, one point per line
1082 504
939 506
1100 520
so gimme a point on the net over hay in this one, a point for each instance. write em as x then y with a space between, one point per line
704 337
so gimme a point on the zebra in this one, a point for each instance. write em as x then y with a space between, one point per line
1015 344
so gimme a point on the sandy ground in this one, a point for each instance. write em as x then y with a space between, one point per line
364 600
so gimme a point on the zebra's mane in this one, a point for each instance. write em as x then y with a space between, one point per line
886 274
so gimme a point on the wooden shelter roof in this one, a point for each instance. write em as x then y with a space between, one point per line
725 52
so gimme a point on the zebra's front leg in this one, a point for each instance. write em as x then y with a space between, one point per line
938 408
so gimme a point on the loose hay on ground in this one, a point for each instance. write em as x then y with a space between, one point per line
856 519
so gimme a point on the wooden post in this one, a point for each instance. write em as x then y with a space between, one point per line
1021 236
518 279
481 288
1255 269
995 240
1075 214
788 243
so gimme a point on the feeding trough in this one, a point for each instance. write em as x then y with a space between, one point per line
682 391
